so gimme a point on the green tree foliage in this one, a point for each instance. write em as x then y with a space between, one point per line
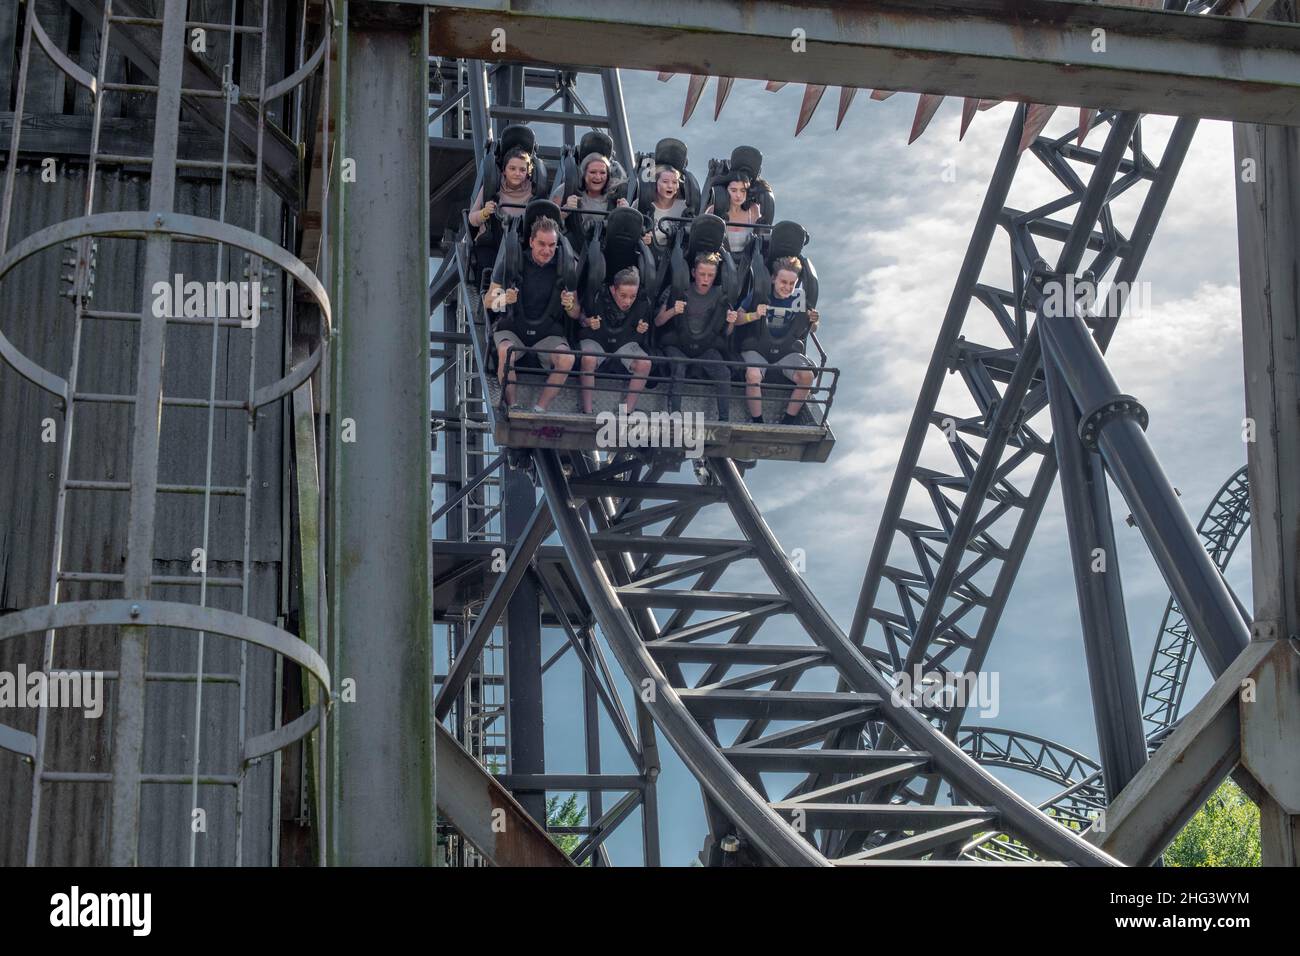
1224 832
566 814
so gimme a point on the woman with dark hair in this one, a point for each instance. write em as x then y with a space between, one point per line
740 211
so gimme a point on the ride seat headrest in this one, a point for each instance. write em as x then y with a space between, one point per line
787 239
624 223
597 141
671 152
747 160
536 210
516 136
708 233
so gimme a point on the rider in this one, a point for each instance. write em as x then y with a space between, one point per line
617 329
668 202
535 316
699 327
600 192
516 190
512 195
741 211
773 335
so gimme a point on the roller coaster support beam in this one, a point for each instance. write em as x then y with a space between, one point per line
473 801
1044 52
618 128
384 768
1203 748
1101 593
1268 238
526 544
864 677
527 526
478 106
985 225
1113 423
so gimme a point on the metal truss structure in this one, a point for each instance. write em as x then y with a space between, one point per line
1221 528
335 571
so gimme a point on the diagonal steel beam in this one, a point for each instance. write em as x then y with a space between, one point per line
535 532
613 706
1191 763
472 800
1007 415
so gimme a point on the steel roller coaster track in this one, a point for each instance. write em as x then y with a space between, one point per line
744 735
805 757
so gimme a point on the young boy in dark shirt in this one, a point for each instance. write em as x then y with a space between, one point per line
698 327
617 330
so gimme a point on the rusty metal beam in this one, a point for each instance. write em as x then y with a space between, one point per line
485 814
1042 51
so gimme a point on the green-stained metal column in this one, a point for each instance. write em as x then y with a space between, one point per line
383 753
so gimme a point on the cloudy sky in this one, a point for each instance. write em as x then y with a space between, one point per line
889 232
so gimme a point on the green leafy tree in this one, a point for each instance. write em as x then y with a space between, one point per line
566 814
1224 832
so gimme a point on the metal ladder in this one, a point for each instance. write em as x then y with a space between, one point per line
137 582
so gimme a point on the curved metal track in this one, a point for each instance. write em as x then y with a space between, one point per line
757 714
860 773
951 541
1221 528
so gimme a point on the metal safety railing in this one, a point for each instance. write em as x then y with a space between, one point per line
616 382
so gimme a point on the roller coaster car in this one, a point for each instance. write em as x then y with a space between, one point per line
641 186
746 161
615 245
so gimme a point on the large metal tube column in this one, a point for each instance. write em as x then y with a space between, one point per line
1112 422
1101 594
383 773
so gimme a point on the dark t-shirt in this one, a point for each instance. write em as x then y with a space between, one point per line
700 326
537 288
537 314
617 327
